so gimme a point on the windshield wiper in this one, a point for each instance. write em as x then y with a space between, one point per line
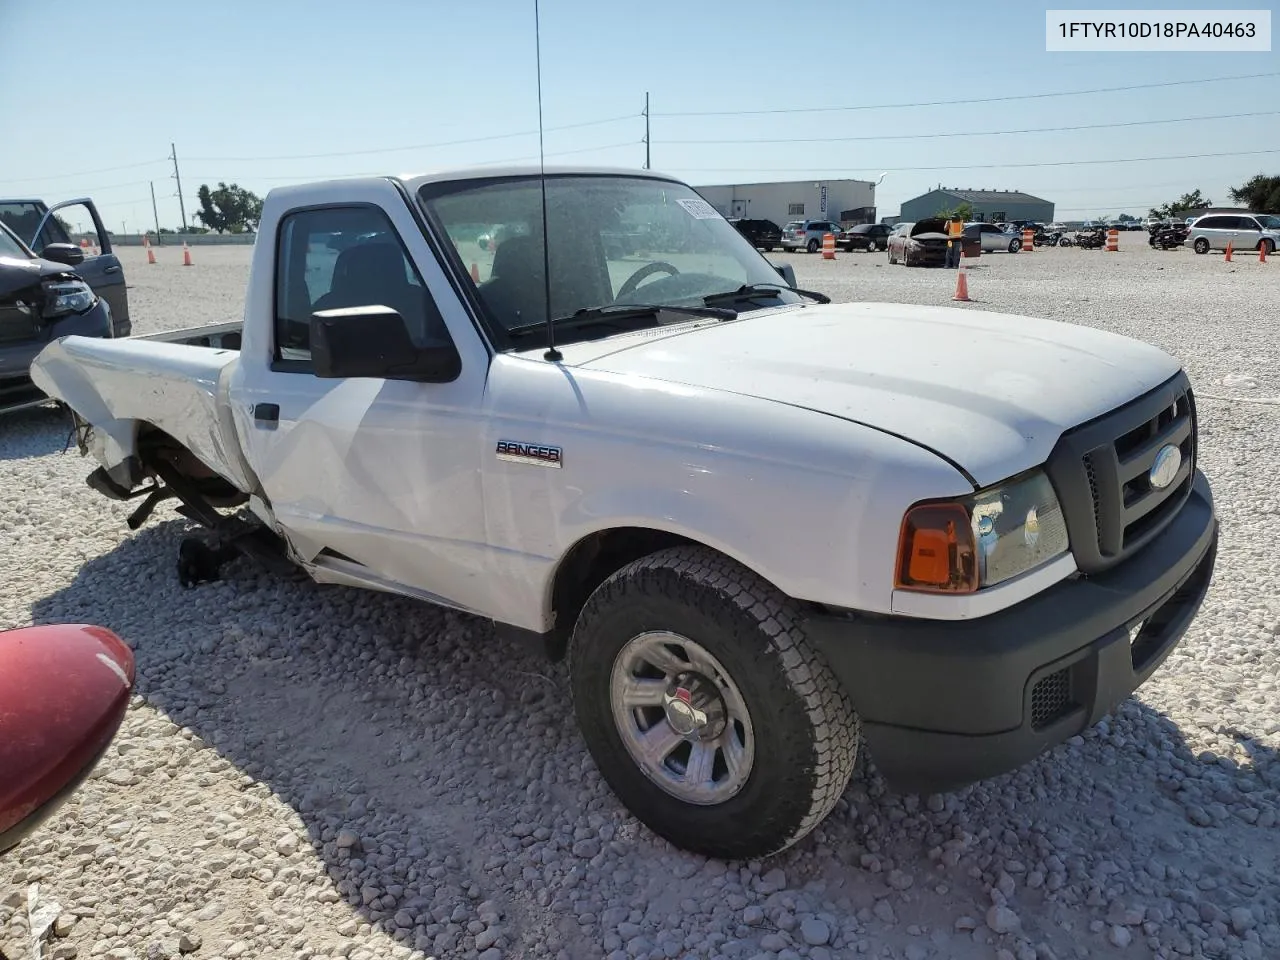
749 291
621 311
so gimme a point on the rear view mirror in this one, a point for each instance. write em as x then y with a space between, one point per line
67 253
64 690
787 272
374 341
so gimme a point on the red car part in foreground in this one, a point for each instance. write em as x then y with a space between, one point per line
64 690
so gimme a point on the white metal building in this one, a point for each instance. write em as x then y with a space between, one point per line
845 201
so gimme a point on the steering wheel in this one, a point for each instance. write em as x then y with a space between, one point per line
633 281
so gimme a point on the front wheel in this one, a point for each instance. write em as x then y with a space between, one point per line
705 709
812 246
1267 246
1015 246
1201 245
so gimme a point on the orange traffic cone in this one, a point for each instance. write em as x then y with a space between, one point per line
1262 252
962 286
475 272
1228 251
151 254
186 254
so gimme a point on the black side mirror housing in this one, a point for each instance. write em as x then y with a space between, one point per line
67 253
374 341
787 272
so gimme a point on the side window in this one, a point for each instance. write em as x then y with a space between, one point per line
337 257
1211 223
1248 223
795 210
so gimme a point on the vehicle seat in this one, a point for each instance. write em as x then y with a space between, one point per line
514 292
376 274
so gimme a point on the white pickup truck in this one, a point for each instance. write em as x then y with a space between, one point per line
761 526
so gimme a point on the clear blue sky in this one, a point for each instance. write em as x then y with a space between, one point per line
232 84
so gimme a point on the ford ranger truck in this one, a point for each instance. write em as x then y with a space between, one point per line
762 528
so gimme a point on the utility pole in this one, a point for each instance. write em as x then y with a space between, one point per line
182 207
155 212
646 129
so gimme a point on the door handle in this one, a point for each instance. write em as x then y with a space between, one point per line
266 412
114 268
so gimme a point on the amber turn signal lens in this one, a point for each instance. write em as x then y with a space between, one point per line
936 552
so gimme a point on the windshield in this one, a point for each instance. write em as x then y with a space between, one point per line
10 247
612 239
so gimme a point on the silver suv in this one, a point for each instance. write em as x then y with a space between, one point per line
1244 231
807 234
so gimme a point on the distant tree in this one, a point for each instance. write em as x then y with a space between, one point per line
1179 207
229 209
1126 218
1261 194
961 211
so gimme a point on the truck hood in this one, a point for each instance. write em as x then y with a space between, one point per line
991 392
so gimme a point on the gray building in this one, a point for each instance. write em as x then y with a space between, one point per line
845 201
989 205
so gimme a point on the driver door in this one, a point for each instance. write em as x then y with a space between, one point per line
373 480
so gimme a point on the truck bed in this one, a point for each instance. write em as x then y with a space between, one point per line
220 336
173 380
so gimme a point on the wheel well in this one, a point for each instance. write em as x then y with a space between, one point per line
588 564
154 445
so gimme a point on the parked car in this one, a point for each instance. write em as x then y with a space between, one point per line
919 244
64 691
807 234
1242 231
763 234
38 226
864 236
41 299
992 239
778 528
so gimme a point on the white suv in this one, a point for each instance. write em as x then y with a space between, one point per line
1244 231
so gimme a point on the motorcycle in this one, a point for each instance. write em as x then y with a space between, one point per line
1169 236
1091 239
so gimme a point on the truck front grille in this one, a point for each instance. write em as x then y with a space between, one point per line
1102 474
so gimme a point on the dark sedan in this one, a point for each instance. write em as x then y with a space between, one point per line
41 299
865 236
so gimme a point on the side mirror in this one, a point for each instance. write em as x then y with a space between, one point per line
67 253
787 272
65 690
374 341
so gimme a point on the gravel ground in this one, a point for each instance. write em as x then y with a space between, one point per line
319 772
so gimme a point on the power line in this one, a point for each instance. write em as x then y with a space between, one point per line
986 133
809 171
87 173
485 163
968 100
417 146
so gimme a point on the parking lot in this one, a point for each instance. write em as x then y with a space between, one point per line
319 772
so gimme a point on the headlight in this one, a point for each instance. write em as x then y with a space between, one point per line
965 544
67 296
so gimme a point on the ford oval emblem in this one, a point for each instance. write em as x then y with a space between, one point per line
1165 466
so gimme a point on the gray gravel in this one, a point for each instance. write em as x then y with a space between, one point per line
319 772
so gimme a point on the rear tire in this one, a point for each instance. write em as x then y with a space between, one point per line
812 246
782 734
